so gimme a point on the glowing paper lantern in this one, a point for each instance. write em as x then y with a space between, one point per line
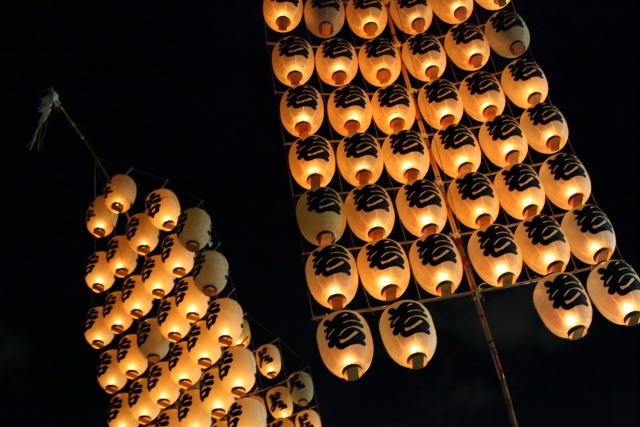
97 274
393 109
308 417
349 110
543 244
141 406
114 315
411 17
524 83
203 348
245 337
176 259
183 371
384 269
545 128
495 255
249 412
215 399
119 193
324 18
452 11
565 180
210 272
590 234
190 302
142 236
332 276
614 288
312 157
135 299
163 208
95 331
119 415
301 110
482 96
440 103
131 361
358 154
492 4
191 413
436 264
369 212
279 402
194 229
292 61
282 16
162 390
507 33
155 278
474 200
152 344
519 190
456 150
320 215
100 220
109 376
336 62
269 361
224 320
172 325
467 47
121 259
424 57
420 207
379 62
237 370
367 19
301 388
503 141
405 156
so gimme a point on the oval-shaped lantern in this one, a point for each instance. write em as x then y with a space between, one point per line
152 344
565 180
210 272
336 62
408 334
349 110
183 371
308 417
507 33
176 259
474 200
162 390
109 376
367 19
456 150
482 96
191 413
332 276
543 244
279 402
495 255
141 406
301 388
114 315
420 207
172 325
345 344
203 349
393 109
119 193
545 127
467 47
155 278
190 302
524 83
249 412
215 399
614 288
119 414
301 110
411 17
405 156
359 159
168 418
379 61
95 331
590 234
503 141
135 299
324 18
384 269
282 16
194 229
320 215
163 208
100 220
424 57
142 236
519 190
224 320
269 360
292 61
131 361
245 337
121 259
312 158
237 370
440 103
452 11
436 264
97 274
492 4
563 305
370 212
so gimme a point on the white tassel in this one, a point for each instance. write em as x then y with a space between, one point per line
52 99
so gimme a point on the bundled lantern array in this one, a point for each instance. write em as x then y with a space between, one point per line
187 363
425 206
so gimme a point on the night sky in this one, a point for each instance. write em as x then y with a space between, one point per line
183 90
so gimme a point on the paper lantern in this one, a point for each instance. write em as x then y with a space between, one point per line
114 315
95 331
131 361
543 245
590 234
503 141
405 156
320 215
142 236
482 96
176 259
408 334
495 255
210 272
411 17
172 325
162 390
324 18
436 264
163 208
279 402
452 11
467 47
141 406
204 350
269 361
379 61
194 229
440 103
359 159
519 190
292 61
345 344
155 278
285 422
367 19
248 412
565 180
109 376
183 371
135 299
336 62
384 269
332 276
190 302
191 413
97 274
563 305
420 207
393 109
369 212
456 150
524 83
492 4
152 344
349 110
282 16
507 33
215 399
224 320
245 336
119 193
100 220
614 288
121 259
424 57
301 388
312 158
119 414
168 418
301 110
237 370
474 200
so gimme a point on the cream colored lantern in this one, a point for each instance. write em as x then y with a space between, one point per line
420 207
320 215
155 278
203 348
163 208
224 320
543 244
565 180
142 236
456 150
452 11
109 376
370 212
245 337
312 158
332 276
379 61
440 103
269 360
502 141
190 302
282 16
408 334
336 62
345 344
100 220
367 19
97 274
308 417
194 229
524 83
492 4
301 388
249 412
162 390
114 315
384 269
119 193
614 288
121 259
95 331
301 110
131 361
360 159
172 325
237 370
176 259
495 255
215 399
405 156
210 272
563 305
292 61
324 18
393 109
135 299
183 371
141 406
519 190
411 17
119 415
436 264
191 413
507 33
424 57
590 234
152 344
467 46
482 96
279 402
349 110
474 200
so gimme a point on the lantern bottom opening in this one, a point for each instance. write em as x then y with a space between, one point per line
577 332
337 302
431 73
158 293
352 372
226 340
556 267
179 272
512 157
168 225
531 210
632 319
517 48
144 250
506 279
283 23
411 174
429 229
339 77
325 29
218 413
132 374
193 317
153 358
553 143
98 232
397 124
302 402
111 389
272 374
576 200
601 255
121 273
144 419
97 287
239 391
417 361
445 288
185 383
163 403
174 336
370 29
484 219
383 76
97 344
117 329
210 291
490 112
461 13
117 207
326 238
418 25
136 313
204 362
447 119
294 77
465 167
476 60
193 246
534 99
390 292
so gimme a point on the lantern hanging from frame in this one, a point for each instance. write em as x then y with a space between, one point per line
312 158
436 264
482 96
503 141
237 370
492 4
379 62
224 320
590 234
614 288
162 390
324 19
524 83
301 388
279 402
249 412
176 259
360 159
452 11
565 180
210 272
440 103
155 278
131 361
282 16
292 61
320 215
245 336
95 331
135 299
495 255
203 348
269 361
545 128
119 414
369 211
172 326
119 193
183 371
349 110
308 417
424 57
332 276
412 17
97 274
100 220
474 200
405 156
519 190
384 269
456 150
301 110
141 234
190 302
114 315
420 207
336 62
163 208
543 244
109 376
393 109
191 413
467 46
121 259
152 344
367 19
194 229
215 399
507 34
141 406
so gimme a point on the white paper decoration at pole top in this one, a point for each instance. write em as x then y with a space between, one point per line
213 396
379 62
176 259
349 110
269 361
384 269
135 299
95 331
142 236
345 344
100 220
452 11
191 413
503 141
519 190
420 207
359 153
436 264
301 110
393 109
152 344
237 370
141 406
191 303
130 361
614 288
366 18
109 376
369 212
162 390
405 156
249 412
482 96
590 234
565 180
172 326
282 16
114 315
495 255
456 150
194 229
508 34
121 259
224 320
493 4
308 417
97 274
203 348
332 276
440 103
524 83
292 61
474 200
279 402
119 414
301 388
309 158
163 208
319 212
467 47
183 371
544 247
411 17
336 62
210 272
424 57
119 193
324 18
155 278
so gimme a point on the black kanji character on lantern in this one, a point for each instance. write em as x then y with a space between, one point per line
592 220
366 4
184 405
384 254
277 402
496 241
440 90
92 316
206 384
225 364
135 391
436 249
155 372
234 413
143 332
348 96
523 70
520 177
566 292
505 20
132 227
103 363
543 230
292 46
123 348
322 4
194 336
344 330
565 166
422 193
337 48
152 204
360 144
379 47
542 114
114 408
465 33
423 43
473 186
163 311
503 127
212 314
323 200
302 96
371 197
147 268
264 357
91 264
393 95
174 356
405 142
455 136
330 260
481 82
408 319
619 278
295 383
410 3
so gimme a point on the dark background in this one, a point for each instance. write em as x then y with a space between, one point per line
183 90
